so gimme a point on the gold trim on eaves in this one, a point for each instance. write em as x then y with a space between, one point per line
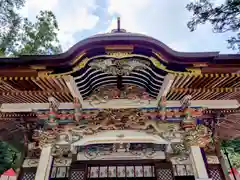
117 55
121 55
67 74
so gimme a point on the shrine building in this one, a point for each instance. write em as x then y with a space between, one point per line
120 105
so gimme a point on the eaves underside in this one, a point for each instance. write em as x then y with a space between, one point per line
38 90
34 90
205 76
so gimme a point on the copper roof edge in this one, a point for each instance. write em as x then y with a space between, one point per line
128 38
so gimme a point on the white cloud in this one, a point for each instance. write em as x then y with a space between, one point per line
129 11
35 5
73 16
166 21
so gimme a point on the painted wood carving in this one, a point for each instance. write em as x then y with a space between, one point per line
171 114
129 150
119 67
129 92
124 119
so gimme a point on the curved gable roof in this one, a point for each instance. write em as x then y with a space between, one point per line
124 38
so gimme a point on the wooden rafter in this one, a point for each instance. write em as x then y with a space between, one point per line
33 90
6 87
34 96
207 87
189 81
39 83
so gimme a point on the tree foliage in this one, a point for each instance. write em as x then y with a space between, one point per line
19 36
9 22
8 10
8 157
223 18
39 37
233 149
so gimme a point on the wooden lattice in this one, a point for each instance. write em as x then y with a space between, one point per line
164 174
28 176
215 174
77 175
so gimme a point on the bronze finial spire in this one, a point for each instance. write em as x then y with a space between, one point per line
118 29
118 24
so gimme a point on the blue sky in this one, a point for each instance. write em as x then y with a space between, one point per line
164 20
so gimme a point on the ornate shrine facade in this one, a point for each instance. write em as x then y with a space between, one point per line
121 106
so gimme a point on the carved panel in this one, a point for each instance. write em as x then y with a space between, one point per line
212 160
110 119
182 166
30 163
120 171
119 67
199 136
118 151
130 92
183 170
181 159
125 119
62 162
172 114
60 172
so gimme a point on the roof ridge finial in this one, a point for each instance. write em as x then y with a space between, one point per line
118 29
118 24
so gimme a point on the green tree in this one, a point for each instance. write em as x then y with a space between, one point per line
233 149
223 18
10 22
19 36
39 37
9 157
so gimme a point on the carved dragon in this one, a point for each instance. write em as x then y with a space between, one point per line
86 129
161 128
117 120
